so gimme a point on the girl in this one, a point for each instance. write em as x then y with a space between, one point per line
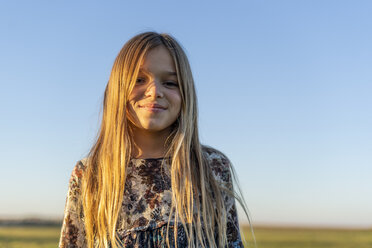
147 181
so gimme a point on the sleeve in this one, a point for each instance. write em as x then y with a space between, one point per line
73 232
221 167
233 230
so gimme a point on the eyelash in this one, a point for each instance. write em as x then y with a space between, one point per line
140 80
166 83
171 83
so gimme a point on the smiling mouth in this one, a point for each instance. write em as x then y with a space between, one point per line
153 109
153 106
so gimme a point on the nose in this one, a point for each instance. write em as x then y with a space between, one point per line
154 90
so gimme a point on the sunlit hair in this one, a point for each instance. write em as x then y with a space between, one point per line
106 168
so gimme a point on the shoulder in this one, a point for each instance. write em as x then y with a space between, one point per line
74 188
212 153
218 162
77 174
79 168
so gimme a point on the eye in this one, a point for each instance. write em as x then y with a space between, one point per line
171 84
140 80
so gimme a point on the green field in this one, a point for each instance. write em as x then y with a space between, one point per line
47 237
29 237
306 238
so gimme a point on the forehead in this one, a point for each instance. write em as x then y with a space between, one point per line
158 60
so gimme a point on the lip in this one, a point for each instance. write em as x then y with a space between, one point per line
152 107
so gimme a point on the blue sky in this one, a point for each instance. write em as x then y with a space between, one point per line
284 89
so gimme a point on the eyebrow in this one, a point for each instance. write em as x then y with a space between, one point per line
170 73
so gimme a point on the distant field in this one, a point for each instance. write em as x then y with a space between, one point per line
47 237
308 238
29 237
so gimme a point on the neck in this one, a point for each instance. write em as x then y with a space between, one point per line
149 144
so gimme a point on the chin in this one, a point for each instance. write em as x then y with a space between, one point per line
152 127
156 128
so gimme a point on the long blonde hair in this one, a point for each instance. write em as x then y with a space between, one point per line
105 175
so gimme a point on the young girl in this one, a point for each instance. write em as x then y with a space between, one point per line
147 181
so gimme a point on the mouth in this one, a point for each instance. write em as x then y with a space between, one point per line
153 107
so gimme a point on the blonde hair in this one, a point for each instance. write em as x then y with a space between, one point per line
105 175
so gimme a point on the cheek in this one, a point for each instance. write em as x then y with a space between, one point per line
179 105
179 101
130 113
136 94
131 109
176 101
134 97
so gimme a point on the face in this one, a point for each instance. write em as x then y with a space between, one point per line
155 102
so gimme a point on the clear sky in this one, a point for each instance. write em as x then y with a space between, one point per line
284 90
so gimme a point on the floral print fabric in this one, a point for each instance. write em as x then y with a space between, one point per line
146 205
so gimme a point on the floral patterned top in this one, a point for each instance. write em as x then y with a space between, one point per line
146 205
